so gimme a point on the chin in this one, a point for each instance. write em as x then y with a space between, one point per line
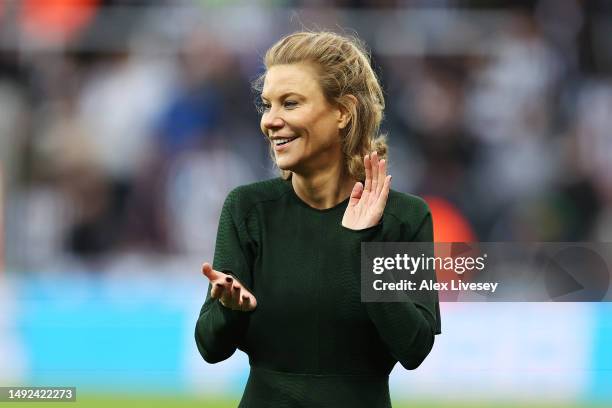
285 163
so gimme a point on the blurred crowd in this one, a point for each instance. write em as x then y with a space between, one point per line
124 124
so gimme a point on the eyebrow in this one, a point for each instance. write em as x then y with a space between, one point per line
284 95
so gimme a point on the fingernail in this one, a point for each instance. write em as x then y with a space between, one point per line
236 288
228 279
245 297
219 285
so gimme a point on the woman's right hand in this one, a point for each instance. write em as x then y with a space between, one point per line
228 290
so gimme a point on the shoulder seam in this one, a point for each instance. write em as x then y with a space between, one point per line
394 216
428 213
401 220
248 212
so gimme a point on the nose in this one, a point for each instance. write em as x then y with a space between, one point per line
271 121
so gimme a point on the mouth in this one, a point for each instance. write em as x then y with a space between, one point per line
282 143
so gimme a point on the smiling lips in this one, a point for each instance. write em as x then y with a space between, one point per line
282 143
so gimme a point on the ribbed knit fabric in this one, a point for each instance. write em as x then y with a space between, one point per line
311 342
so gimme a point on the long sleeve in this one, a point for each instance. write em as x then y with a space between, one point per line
219 330
406 328
430 307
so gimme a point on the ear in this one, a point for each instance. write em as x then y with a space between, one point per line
347 104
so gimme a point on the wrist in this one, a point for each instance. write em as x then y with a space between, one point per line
363 229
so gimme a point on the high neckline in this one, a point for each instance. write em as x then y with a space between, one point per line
289 186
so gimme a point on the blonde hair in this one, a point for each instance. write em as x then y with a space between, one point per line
344 69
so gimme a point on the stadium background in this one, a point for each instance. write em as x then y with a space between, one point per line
123 125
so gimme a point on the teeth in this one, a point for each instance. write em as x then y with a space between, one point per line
278 142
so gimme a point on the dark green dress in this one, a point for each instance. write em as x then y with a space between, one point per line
311 342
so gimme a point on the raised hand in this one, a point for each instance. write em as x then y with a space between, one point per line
367 203
228 290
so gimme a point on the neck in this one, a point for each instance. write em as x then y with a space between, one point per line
323 189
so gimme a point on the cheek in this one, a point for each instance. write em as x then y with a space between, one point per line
318 122
327 129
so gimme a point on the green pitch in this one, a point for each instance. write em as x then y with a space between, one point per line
182 401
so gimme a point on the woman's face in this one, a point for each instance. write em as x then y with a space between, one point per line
302 126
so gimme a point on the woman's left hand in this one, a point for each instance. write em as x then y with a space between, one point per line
367 203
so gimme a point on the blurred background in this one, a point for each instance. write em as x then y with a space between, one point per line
124 124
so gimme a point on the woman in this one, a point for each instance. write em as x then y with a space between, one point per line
285 280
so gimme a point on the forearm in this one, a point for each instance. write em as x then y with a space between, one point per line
405 329
218 331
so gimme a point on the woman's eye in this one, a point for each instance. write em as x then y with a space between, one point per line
263 107
266 106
